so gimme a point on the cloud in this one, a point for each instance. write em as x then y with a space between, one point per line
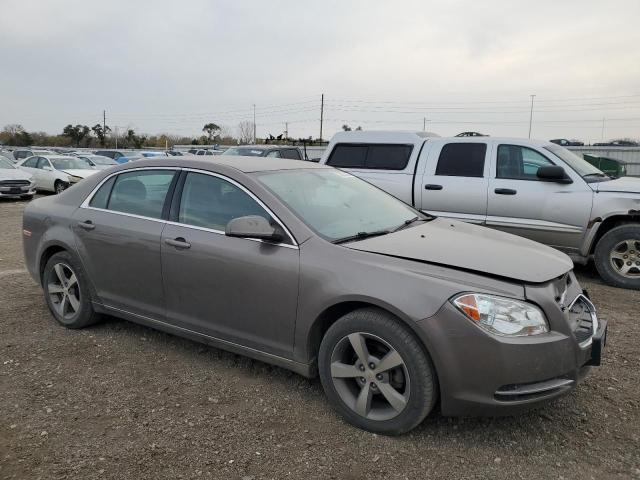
170 66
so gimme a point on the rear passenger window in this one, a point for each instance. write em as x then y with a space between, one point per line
388 157
31 163
373 156
462 160
141 192
101 197
348 156
212 202
291 153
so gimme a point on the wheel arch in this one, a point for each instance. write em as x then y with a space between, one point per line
334 312
610 223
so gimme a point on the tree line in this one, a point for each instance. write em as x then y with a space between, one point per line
103 136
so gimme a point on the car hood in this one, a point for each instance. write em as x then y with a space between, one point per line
623 184
79 173
14 174
471 247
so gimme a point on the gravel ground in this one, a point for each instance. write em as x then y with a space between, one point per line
122 401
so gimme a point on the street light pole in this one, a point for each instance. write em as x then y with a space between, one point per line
254 123
531 114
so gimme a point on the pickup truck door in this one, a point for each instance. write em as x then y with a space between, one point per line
455 179
548 212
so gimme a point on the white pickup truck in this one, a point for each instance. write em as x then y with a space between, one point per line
535 189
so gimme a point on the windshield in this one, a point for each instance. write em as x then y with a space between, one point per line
247 152
580 165
70 163
5 163
335 204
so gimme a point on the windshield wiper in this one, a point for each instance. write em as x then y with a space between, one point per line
361 236
598 174
406 223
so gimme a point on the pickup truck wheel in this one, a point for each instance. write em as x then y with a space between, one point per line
617 256
66 292
375 372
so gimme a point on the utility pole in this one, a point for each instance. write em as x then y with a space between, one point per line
254 123
286 130
104 128
424 124
321 115
531 114
602 136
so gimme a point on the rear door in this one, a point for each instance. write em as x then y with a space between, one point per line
388 166
240 290
117 232
518 202
455 179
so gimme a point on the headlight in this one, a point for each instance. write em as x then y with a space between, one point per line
502 316
74 179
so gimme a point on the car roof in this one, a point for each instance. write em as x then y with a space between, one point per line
237 162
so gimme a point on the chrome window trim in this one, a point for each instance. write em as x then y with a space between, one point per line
85 205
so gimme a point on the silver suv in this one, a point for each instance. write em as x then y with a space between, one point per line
534 189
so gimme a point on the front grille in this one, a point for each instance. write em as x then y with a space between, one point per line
14 183
582 318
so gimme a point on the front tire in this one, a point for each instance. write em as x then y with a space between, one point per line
376 373
59 186
66 292
617 256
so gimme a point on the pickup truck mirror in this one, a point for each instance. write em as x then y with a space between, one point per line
553 173
253 226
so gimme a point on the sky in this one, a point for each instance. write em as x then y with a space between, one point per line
167 66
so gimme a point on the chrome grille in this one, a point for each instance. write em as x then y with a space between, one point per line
14 183
582 316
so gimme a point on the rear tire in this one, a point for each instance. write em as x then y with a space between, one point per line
366 393
617 256
66 292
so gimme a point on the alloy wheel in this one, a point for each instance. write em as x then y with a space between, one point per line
625 258
59 187
370 376
64 291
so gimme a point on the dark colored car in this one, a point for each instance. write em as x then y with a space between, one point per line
310 268
567 143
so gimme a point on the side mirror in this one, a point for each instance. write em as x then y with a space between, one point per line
253 226
553 173
47 168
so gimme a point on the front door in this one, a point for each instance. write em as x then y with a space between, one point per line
548 212
236 289
118 237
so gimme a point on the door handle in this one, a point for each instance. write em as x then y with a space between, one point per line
177 242
86 225
431 186
505 191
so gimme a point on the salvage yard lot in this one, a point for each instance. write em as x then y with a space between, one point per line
119 400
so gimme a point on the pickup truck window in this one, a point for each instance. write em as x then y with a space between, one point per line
373 156
519 163
291 153
462 160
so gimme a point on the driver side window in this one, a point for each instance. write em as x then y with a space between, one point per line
42 162
519 163
211 202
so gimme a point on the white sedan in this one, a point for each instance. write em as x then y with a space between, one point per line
55 173
14 183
